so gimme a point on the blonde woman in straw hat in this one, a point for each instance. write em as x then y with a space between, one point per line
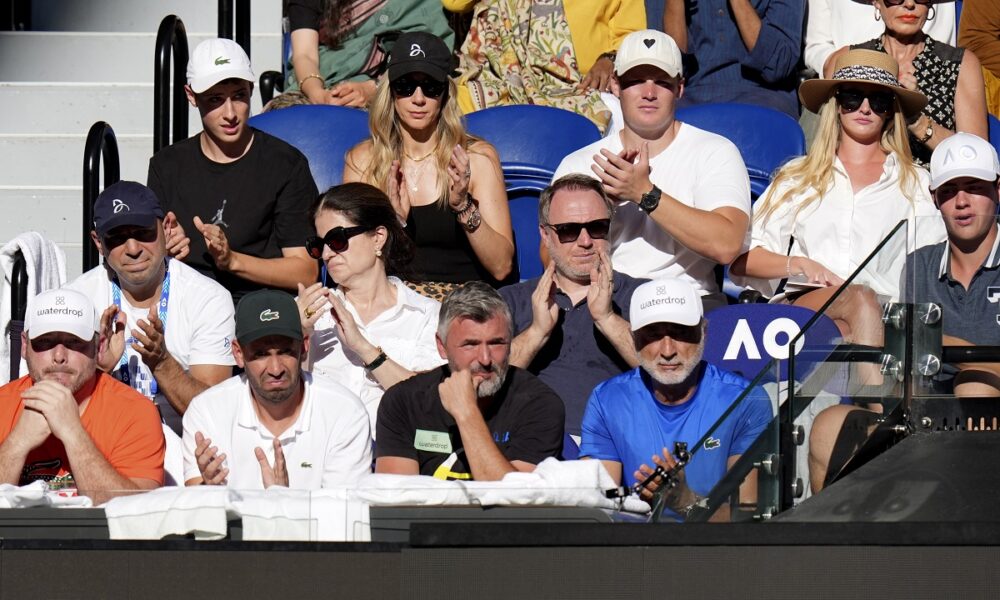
950 77
825 212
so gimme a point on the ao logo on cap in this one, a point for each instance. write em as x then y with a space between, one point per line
269 315
966 152
416 50
117 206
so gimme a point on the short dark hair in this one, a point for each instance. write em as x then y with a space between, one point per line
573 181
368 206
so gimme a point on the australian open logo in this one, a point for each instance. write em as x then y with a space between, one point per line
993 294
269 315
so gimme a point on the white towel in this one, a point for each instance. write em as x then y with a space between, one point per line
202 510
37 493
46 267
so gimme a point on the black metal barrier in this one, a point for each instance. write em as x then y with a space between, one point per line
18 307
170 36
101 143
242 22
269 82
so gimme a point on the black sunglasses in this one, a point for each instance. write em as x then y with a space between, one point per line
404 87
569 232
337 239
850 99
898 2
120 235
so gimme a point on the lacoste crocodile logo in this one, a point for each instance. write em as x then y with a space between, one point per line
269 315
221 61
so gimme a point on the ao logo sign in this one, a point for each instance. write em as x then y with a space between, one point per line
783 329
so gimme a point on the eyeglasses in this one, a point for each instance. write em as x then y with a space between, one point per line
404 87
569 232
850 99
120 235
898 2
337 239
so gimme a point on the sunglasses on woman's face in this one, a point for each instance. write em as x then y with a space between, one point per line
404 87
569 232
850 99
898 2
337 239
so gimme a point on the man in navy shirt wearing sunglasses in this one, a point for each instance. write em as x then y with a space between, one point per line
572 322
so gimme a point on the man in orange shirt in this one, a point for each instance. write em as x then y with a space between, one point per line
67 422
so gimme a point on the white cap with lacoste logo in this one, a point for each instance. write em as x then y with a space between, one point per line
963 155
667 300
216 60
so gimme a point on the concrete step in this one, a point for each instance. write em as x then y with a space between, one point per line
57 160
71 108
53 212
143 15
101 56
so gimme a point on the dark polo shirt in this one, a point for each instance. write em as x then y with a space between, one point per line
577 356
525 419
972 315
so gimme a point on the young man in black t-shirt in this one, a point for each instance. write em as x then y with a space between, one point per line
476 418
245 193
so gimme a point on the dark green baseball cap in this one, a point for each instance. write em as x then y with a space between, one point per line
267 312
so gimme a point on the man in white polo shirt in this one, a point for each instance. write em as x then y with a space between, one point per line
274 424
178 323
683 194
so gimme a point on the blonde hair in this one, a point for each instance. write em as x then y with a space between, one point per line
387 137
811 176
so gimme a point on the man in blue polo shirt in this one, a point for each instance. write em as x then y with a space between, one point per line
962 274
572 322
674 396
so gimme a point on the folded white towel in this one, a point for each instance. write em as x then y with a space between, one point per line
46 267
202 510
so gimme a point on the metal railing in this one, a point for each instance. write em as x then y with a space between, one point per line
101 143
18 308
242 22
170 37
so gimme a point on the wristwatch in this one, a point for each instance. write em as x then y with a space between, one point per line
475 219
650 200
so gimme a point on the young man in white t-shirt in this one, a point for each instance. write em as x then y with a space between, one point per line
275 424
684 194
169 327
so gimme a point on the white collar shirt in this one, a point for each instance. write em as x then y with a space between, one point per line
405 333
842 228
328 445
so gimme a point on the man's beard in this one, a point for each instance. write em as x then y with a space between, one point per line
488 387
677 377
278 396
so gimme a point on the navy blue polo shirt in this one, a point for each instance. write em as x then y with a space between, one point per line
576 356
970 314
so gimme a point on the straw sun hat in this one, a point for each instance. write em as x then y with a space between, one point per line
862 66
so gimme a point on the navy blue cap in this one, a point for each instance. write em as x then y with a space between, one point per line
126 203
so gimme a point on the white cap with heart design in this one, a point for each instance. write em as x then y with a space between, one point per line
649 47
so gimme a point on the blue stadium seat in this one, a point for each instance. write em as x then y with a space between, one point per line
994 124
766 138
532 141
323 133
743 338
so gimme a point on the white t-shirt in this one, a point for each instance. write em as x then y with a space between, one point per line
405 332
833 24
200 321
698 168
329 444
843 228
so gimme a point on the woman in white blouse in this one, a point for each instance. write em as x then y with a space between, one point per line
372 331
824 213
